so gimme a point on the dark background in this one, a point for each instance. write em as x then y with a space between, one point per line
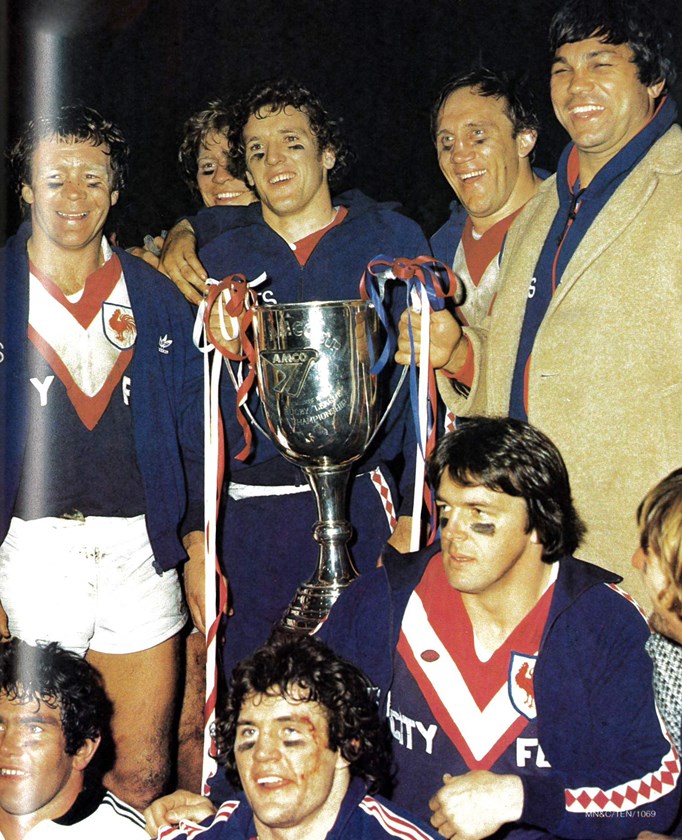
378 65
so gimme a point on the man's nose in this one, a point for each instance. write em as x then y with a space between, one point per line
273 154
461 150
639 559
74 189
580 80
266 748
9 742
221 174
455 528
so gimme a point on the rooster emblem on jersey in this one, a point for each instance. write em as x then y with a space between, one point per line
119 325
520 684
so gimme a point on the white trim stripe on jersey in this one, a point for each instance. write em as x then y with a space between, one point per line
392 823
189 829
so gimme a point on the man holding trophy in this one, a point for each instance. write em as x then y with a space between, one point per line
312 248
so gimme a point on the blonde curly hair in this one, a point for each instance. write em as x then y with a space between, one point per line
659 519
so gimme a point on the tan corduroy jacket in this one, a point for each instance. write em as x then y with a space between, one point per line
605 381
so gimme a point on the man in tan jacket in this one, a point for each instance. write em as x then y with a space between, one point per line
585 336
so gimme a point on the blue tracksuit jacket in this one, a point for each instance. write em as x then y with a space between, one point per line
166 398
596 717
361 817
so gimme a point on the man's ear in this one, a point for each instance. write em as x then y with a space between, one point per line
328 158
27 193
249 179
656 90
113 198
341 762
84 754
525 142
534 537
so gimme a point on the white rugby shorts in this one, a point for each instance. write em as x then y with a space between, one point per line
87 583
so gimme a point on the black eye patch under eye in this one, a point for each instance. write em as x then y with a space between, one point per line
486 528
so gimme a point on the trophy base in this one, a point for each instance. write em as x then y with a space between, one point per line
310 606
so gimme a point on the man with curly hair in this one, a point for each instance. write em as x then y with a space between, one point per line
100 461
302 736
312 246
54 715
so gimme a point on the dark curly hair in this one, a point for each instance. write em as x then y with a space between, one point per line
519 103
60 679
301 666
631 22
271 98
513 457
213 119
70 122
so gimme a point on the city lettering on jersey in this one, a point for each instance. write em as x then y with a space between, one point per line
409 732
267 296
42 387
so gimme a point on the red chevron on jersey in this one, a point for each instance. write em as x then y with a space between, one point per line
88 352
482 706
98 287
476 264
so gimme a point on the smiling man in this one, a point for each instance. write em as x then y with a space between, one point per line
513 676
301 735
53 715
584 340
485 131
312 246
101 392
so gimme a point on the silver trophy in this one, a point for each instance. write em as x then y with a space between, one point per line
322 408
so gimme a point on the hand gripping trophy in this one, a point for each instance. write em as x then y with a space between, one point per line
316 369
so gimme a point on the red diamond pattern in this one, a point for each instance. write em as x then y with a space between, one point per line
634 793
385 492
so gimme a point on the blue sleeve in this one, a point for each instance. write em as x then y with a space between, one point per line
615 773
358 627
210 222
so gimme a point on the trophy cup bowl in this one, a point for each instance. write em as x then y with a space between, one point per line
322 407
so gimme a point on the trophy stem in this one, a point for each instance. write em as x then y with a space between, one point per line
335 569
